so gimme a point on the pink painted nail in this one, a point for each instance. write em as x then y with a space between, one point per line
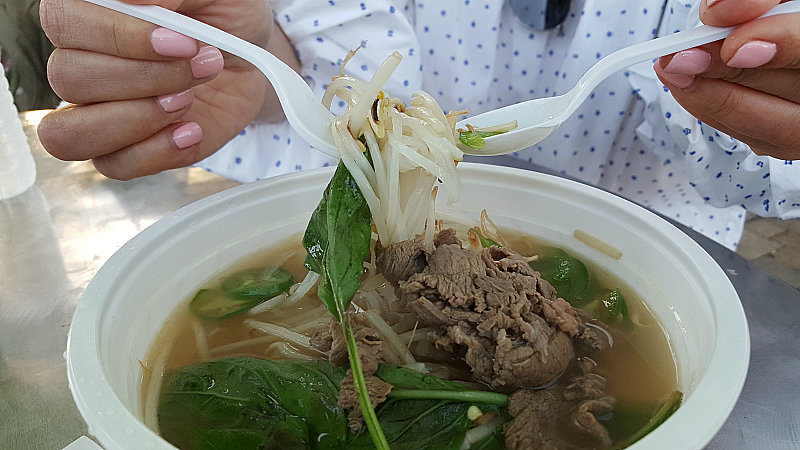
174 102
170 43
187 135
207 63
753 54
689 62
679 81
711 2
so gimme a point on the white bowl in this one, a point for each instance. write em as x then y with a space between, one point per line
125 305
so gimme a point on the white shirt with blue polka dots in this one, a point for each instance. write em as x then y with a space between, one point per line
629 137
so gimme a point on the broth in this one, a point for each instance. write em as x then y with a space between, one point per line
639 368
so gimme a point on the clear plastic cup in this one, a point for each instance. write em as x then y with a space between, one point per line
17 168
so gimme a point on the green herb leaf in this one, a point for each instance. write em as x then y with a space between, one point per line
244 402
417 424
475 139
568 275
664 411
425 411
495 441
485 242
410 384
337 240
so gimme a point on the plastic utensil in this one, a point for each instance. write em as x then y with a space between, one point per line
303 109
539 118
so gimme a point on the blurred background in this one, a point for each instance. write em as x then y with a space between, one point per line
24 50
772 244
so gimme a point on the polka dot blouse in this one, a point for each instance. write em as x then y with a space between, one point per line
629 137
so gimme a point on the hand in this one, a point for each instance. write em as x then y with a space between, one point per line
747 86
147 99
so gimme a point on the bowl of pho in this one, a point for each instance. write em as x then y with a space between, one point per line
405 300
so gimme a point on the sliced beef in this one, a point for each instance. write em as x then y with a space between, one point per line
405 258
370 351
348 397
563 417
368 342
491 307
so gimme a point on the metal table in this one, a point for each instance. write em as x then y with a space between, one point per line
55 237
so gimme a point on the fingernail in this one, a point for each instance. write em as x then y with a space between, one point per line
711 2
679 81
174 102
689 62
171 43
187 135
207 63
753 54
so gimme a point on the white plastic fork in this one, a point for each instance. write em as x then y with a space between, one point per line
539 118
303 109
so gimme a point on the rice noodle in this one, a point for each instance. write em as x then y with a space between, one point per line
311 280
373 283
474 435
281 332
288 352
240 346
267 305
390 338
201 338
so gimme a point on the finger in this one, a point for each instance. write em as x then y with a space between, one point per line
77 24
771 42
705 61
723 13
728 106
177 145
79 76
82 132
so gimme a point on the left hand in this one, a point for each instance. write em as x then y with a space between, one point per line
747 86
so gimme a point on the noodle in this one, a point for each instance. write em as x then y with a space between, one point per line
201 338
281 332
390 338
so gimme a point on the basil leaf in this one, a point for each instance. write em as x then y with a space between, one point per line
429 422
337 240
474 139
417 424
611 308
403 378
568 275
244 402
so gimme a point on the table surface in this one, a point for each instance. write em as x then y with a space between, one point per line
55 237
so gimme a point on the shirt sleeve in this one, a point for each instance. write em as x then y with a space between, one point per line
723 170
322 33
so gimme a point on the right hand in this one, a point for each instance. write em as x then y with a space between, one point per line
124 76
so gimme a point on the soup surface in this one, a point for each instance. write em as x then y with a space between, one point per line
638 366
